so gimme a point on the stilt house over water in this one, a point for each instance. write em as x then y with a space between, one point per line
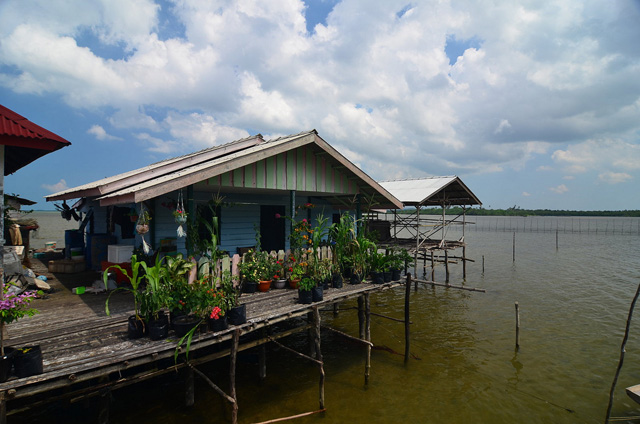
260 181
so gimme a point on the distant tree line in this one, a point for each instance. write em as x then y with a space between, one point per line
517 211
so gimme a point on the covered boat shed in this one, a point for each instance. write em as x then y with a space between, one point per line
419 233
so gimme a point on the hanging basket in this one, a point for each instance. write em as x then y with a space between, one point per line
142 228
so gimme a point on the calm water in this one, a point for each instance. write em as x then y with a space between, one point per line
573 303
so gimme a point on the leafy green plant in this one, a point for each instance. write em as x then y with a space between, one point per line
134 277
153 297
307 283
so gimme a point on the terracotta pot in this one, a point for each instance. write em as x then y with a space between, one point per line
294 283
264 286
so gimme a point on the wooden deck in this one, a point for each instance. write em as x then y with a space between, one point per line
85 351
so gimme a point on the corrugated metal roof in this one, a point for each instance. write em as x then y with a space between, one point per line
431 191
173 174
25 141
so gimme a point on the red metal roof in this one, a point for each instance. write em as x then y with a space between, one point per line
24 140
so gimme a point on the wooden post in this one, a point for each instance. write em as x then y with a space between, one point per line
446 265
316 320
233 354
464 262
262 357
407 294
311 336
367 335
514 246
483 264
517 326
103 409
3 394
189 388
361 316
336 309
556 239
433 269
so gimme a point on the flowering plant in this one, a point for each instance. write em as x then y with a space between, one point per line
13 307
207 300
257 266
296 268
179 213
279 270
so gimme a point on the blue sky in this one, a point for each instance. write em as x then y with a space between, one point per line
535 104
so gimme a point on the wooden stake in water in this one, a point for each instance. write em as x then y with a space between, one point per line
514 246
517 326
483 264
556 239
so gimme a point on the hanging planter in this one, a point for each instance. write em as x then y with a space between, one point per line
180 215
142 227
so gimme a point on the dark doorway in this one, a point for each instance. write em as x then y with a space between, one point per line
272 228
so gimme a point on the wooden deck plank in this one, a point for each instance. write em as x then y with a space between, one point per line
80 343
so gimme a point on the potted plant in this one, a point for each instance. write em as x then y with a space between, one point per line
279 280
305 286
136 325
154 299
12 307
142 226
377 263
264 270
395 263
236 312
297 269
176 287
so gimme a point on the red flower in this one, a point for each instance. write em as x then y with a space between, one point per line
215 313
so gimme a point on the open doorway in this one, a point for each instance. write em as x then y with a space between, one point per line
272 229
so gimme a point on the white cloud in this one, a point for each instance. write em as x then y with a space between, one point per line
615 177
101 134
561 189
157 145
545 76
54 188
526 194
599 154
201 131
504 124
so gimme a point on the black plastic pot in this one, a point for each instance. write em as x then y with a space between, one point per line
355 279
159 328
183 324
305 296
136 328
317 293
387 276
249 286
326 283
396 274
337 280
238 315
173 315
377 277
27 361
219 324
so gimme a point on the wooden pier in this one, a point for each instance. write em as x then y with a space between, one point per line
87 353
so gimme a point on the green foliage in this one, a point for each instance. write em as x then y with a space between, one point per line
135 278
307 283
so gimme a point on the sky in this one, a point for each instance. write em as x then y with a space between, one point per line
532 104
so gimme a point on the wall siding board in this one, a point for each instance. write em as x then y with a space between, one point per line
310 176
260 177
291 170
